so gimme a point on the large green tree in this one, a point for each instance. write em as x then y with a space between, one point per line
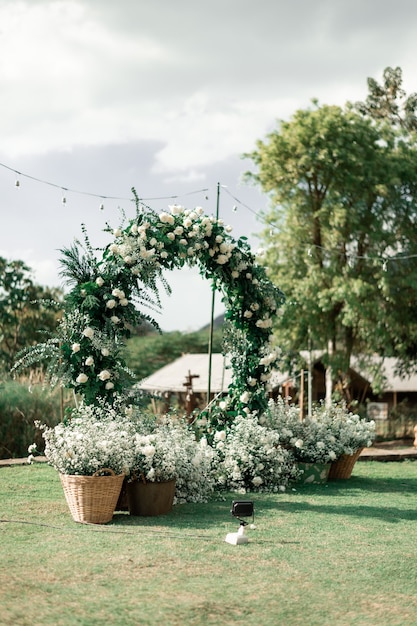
341 240
22 312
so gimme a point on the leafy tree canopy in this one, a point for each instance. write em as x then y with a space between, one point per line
23 315
341 237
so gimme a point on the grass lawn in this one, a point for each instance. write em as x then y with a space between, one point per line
342 553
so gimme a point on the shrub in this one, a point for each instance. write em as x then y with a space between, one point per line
20 406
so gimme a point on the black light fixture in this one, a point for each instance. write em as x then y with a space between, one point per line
240 509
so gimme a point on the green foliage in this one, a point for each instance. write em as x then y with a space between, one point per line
389 102
146 354
24 310
341 239
19 408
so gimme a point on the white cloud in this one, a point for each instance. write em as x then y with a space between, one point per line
100 96
205 81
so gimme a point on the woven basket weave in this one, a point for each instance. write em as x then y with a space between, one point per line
92 499
342 468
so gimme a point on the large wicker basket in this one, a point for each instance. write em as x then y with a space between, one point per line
92 499
341 469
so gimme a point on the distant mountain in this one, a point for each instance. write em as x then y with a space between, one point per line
217 323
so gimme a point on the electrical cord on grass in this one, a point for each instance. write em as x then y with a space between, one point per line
98 528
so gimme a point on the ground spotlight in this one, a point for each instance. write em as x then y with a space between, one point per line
240 509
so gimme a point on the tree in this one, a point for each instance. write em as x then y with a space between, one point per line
22 314
341 239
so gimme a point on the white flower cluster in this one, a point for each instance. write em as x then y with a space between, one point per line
251 459
104 375
88 444
190 231
169 450
350 430
329 433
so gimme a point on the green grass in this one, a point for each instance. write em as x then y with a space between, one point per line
342 553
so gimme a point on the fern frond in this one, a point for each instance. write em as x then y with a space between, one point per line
76 268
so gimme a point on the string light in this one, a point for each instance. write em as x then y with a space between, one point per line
143 205
96 195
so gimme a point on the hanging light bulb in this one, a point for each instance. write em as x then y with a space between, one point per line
101 207
17 183
234 209
64 200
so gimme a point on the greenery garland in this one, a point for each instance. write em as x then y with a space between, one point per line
103 303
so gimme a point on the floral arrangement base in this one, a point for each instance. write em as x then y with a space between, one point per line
313 473
150 499
342 468
92 499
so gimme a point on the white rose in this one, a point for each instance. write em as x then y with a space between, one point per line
110 304
245 397
176 209
124 302
88 332
105 352
114 248
222 259
104 375
115 319
166 218
75 347
99 281
81 378
89 360
109 385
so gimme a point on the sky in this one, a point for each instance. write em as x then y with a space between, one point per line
99 96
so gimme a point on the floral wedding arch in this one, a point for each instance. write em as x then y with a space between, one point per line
106 294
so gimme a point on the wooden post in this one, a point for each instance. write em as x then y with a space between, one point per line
190 403
301 396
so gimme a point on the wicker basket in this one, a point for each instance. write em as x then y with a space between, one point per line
342 468
92 499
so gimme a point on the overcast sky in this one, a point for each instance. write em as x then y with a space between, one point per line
99 96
